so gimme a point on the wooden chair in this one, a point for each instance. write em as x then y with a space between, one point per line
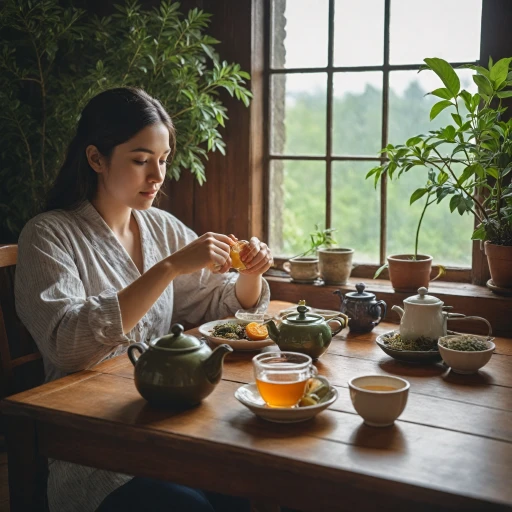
21 366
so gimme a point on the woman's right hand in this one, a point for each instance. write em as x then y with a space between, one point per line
209 250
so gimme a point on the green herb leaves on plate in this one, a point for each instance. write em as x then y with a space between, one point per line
230 331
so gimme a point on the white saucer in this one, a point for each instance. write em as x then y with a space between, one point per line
243 345
249 396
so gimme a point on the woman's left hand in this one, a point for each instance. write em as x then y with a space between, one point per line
257 257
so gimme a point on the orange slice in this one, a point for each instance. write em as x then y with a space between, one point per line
256 332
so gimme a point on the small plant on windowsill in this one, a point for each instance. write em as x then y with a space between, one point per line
469 160
318 239
408 272
333 264
303 268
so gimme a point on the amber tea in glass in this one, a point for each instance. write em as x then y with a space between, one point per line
281 377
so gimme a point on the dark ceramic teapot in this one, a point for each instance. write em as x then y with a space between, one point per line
363 310
176 369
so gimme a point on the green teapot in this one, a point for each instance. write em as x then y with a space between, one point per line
176 369
305 332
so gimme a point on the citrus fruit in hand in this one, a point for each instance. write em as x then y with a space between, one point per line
234 254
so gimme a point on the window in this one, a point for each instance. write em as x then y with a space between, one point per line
343 82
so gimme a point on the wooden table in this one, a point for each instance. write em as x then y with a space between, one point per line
450 450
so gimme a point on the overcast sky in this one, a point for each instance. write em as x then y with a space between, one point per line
449 29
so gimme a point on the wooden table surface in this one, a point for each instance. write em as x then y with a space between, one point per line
450 450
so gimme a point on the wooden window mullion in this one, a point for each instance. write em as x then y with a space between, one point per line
328 141
384 141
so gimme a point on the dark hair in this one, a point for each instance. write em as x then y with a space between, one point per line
109 119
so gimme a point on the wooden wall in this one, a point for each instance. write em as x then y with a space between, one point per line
231 201
495 42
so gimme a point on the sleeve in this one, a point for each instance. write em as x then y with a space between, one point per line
203 295
71 330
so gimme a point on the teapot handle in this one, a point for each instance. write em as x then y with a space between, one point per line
138 347
461 317
342 323
383 308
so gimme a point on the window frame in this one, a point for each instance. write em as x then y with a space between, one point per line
478 272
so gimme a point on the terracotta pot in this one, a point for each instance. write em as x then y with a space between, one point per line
335 264
406 274
302 270
500 264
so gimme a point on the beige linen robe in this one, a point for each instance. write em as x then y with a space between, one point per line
70 268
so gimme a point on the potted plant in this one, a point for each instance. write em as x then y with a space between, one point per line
53 59
334 263
469 161
303 268
408 272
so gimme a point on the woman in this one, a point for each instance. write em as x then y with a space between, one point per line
101 269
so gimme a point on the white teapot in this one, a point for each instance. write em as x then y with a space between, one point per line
424 315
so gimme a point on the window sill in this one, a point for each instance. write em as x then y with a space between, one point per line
469 299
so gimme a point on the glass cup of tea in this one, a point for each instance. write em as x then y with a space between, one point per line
281 377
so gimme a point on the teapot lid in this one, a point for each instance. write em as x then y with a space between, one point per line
423 298
177 340
302 316
360 294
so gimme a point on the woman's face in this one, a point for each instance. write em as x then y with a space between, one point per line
136 169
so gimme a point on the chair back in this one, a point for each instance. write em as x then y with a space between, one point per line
21 366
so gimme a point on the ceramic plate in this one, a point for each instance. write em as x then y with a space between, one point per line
407 356
328 314
249 396
207 329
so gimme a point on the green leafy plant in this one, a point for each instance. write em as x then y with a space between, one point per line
470 160
319 238
54 59
414 257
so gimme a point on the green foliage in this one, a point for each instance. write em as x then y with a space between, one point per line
470 159
319 238
53 60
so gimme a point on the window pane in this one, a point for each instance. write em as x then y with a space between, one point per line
299 33
297 203
445 236
357 113
298 114
409 108
356 210
359 33
448 29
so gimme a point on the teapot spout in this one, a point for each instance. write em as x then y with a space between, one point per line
273 331
399 310
213 365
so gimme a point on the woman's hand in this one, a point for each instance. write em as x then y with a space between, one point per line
209 250
257 257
